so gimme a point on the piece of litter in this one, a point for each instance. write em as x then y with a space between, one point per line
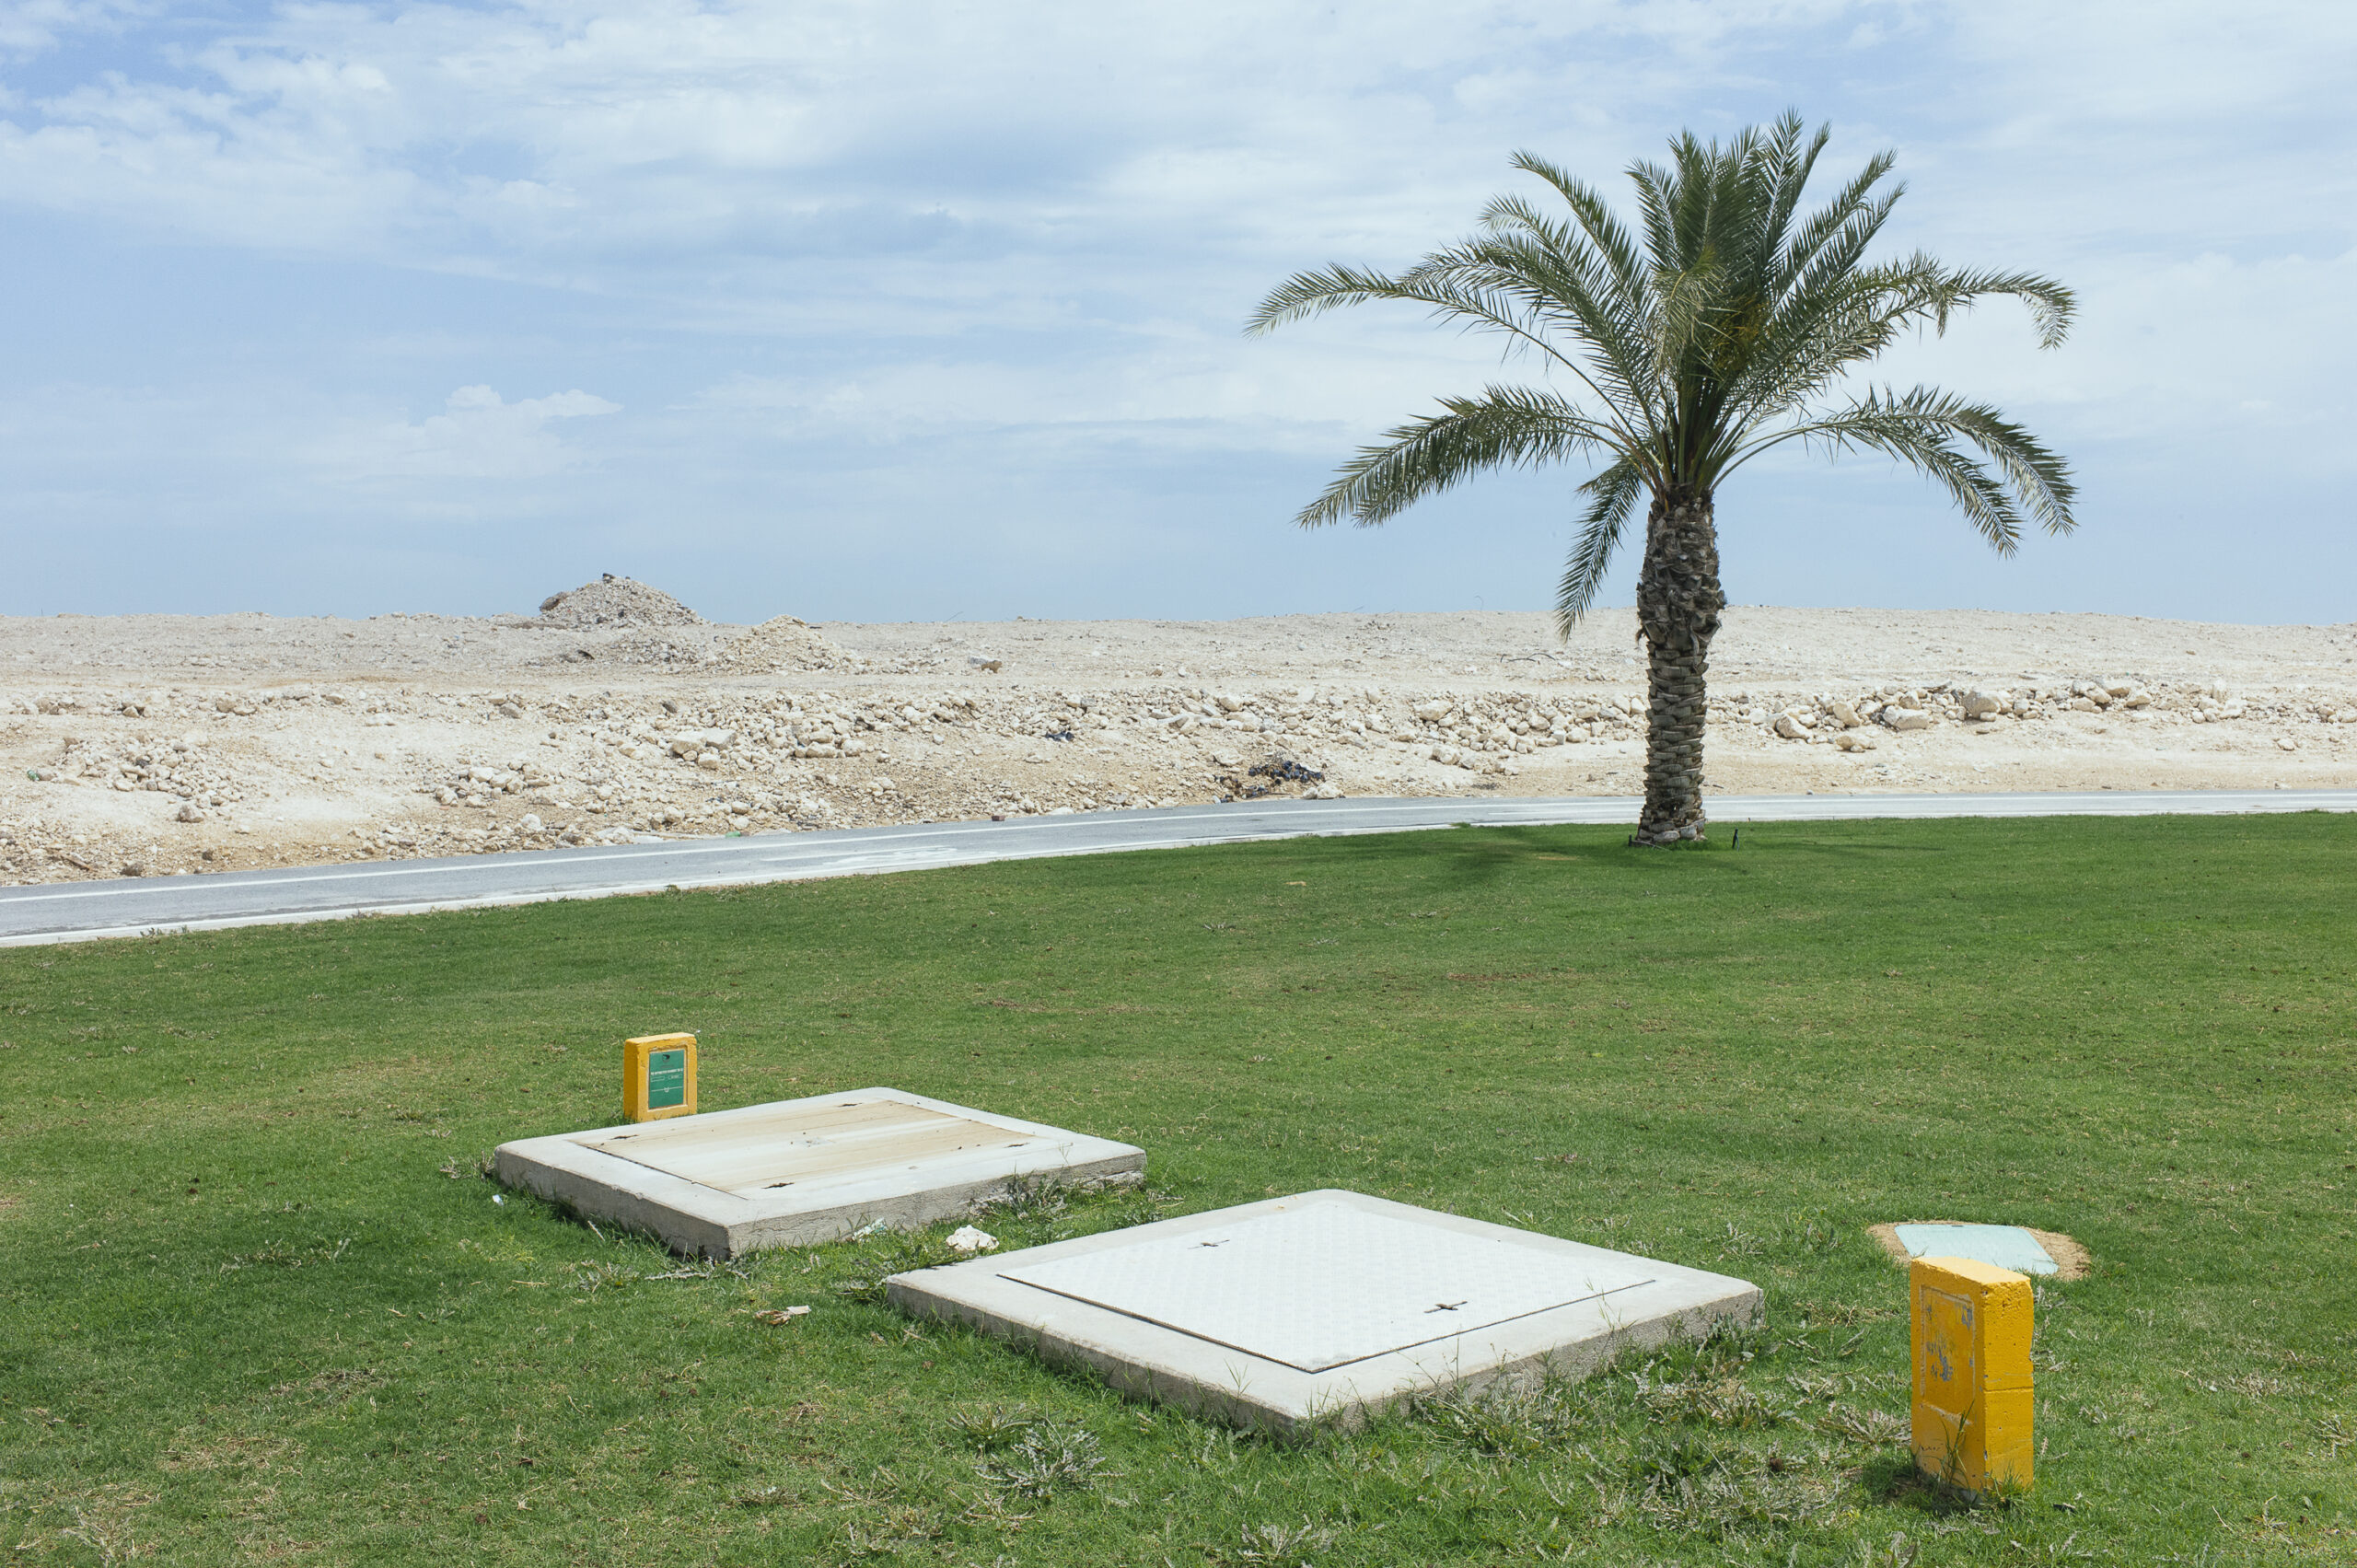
497 1198
870 1228
966 1238
781 1315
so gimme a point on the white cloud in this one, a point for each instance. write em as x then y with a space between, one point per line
480 437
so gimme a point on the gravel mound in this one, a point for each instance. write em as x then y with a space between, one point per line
615 601
785 644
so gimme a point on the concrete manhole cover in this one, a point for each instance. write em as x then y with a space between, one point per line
795 1172
1325 1304
1387 1282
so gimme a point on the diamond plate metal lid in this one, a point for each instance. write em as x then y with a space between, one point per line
1326 1284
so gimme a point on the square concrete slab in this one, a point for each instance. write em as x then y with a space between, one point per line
1323 1305
2000 1246
799 1171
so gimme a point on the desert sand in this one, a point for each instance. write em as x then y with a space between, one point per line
163 745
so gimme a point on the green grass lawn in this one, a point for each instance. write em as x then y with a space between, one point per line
256 1303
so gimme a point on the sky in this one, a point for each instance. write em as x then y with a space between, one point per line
880 311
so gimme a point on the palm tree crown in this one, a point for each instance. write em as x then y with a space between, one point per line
1727 325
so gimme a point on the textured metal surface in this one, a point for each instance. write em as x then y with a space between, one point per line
2001 1246
1326 1284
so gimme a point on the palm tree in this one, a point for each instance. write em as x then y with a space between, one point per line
1730 330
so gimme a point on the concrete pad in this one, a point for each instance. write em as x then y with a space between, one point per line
2000 1246
1323 1307
795 1172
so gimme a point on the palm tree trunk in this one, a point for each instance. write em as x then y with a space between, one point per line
1679 601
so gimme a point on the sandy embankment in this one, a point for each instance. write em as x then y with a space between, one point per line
172 744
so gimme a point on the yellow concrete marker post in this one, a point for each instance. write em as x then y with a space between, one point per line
1971 1416
658 1077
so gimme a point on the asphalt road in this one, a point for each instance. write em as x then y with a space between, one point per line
76 912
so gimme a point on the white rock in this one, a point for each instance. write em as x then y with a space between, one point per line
1905 718
530 823
1980 704
1845 716
188 813
1229 703
1849 742
2136 697
969 1238
2119 688
2287 743
1790 726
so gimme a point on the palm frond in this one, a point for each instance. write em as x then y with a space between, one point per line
1505 427
1922 428
1612 495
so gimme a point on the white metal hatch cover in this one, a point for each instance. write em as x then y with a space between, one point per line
1329 1284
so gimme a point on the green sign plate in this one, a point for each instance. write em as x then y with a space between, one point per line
667 1079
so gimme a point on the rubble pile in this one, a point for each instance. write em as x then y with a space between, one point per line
615 601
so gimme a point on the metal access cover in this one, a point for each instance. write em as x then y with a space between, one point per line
1328 1284
1322 1307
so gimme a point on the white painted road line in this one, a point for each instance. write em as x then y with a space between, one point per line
140 906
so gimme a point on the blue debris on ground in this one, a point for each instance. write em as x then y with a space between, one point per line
2000 1246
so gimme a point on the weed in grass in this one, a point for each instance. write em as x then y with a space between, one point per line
1035 1198
1047 1459
1281 1545
1866 1428
595 1277
278 1254
106 1533
897 1253
1900 1553
1727 1402
992 1428
887 1534
1510 1421
1736 1242
767 1497
704 1268
1662 1459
